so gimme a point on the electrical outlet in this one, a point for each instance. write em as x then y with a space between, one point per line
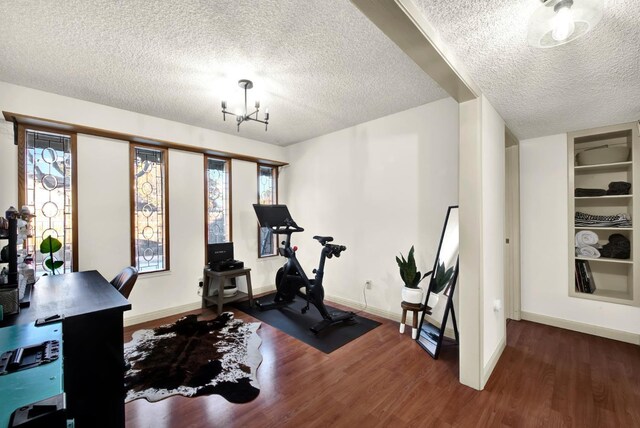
368 284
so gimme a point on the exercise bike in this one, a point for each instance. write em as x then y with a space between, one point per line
291 278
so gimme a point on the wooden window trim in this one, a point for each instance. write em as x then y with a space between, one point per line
276 174
206 199
165 202
22 185
68 128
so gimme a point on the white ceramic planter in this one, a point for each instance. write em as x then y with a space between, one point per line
433 300
412 295
230 291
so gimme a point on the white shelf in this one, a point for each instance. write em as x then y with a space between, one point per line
591 198
602 228
606 296
605 167
612 294
605 260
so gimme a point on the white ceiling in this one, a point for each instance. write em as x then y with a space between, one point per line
590 82
319 66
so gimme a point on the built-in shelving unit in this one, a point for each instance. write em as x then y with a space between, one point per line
616 280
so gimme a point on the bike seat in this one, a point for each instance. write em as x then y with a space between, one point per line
323 239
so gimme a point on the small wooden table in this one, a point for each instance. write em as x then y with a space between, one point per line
222 278
416 309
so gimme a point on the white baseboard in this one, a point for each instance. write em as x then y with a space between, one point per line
623 336
393 316
491 365
353 304
264 289
175 310
150 316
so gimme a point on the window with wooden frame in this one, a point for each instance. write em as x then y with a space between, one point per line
149 208
47 184
267 195
217 200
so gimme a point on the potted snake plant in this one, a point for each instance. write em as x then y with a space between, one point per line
440 280
411 277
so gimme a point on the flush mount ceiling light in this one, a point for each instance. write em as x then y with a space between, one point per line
557 22
242 116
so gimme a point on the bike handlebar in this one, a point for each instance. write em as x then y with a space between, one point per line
334 250
286 230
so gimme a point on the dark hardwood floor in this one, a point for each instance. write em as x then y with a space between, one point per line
546 377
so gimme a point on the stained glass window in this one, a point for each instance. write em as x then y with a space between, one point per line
149 214
218 202
48 178
267 194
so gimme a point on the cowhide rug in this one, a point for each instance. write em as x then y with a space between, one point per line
194 358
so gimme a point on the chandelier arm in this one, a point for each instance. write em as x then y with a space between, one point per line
225 113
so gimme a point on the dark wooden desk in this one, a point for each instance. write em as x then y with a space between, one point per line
93 343
24 387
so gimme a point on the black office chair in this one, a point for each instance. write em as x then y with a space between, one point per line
125 280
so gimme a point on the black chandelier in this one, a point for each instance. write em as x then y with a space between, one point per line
246 84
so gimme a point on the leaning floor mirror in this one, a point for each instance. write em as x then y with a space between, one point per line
438 323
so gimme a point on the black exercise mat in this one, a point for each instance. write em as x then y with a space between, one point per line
291 321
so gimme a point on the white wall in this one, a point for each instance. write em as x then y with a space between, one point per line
544 246
471 229
103 205
377 188
104 229
493 215
8 168
482 204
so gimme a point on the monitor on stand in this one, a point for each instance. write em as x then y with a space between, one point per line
273 215
219 252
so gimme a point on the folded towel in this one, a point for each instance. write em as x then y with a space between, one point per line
592 220
616 237
619 188
590 252
585 238
619 247
589 192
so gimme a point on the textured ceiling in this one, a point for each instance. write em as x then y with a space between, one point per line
592 81
319 66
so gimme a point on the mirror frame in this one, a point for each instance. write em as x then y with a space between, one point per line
449 304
